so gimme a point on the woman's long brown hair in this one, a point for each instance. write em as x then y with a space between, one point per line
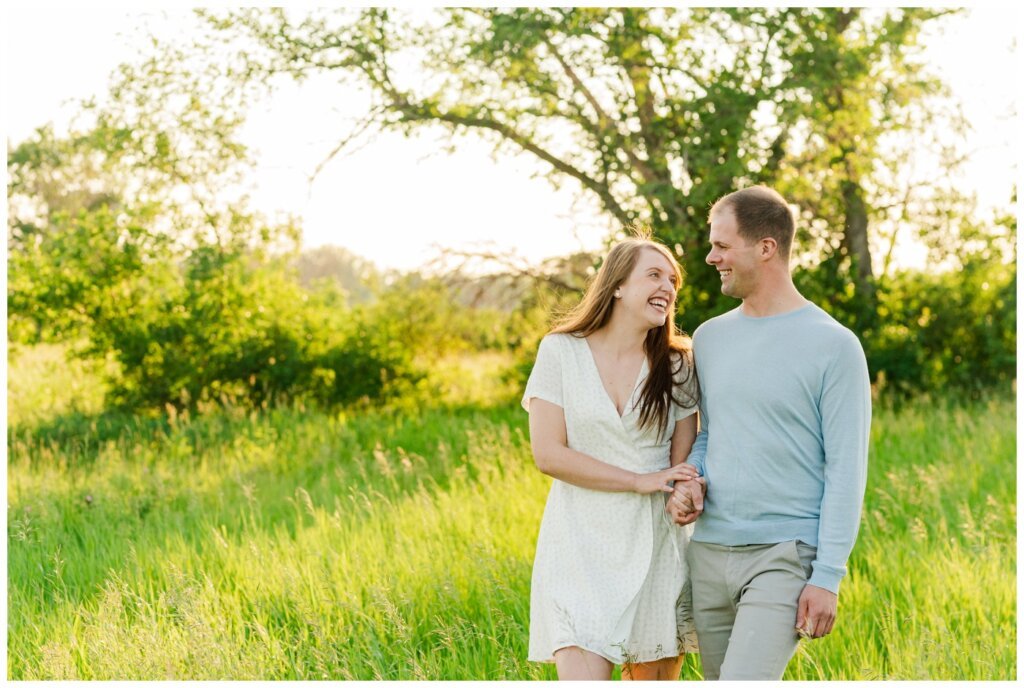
595 310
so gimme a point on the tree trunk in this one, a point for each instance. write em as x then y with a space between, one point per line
855 239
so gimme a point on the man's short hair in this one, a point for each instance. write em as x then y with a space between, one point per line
760 212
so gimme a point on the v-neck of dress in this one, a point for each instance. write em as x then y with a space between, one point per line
600 381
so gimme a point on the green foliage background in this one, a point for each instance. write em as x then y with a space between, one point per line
128 235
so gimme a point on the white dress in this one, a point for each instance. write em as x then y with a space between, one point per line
610 574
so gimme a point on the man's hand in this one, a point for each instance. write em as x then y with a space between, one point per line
816 612
676 513
687 501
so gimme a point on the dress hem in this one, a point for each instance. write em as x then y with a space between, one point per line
551 657
690 641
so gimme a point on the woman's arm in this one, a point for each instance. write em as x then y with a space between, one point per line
553 457
682 439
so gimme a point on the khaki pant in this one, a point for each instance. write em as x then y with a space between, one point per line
744 606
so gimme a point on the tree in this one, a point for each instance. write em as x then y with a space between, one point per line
196 300
861 90
138 181
657 112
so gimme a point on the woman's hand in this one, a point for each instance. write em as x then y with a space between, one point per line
649 483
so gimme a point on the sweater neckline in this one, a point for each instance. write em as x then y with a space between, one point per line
777 316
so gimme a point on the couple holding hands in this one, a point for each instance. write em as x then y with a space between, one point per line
746 553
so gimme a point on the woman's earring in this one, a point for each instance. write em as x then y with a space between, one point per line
618 294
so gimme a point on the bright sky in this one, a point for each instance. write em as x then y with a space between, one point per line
395 198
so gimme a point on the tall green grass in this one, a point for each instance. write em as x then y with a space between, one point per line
292 544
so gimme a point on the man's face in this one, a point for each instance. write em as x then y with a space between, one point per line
735 259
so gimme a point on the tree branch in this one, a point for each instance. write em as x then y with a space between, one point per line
562 273
371 119
417 113
604 119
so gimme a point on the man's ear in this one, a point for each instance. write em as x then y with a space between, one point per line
767 248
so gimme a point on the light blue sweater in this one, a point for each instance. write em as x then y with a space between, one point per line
785 418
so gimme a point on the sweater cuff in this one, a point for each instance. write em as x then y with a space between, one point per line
827 577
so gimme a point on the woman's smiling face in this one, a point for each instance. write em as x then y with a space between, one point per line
650 291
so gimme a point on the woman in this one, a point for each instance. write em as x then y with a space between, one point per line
612 402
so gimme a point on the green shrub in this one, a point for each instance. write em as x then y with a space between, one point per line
946 331
243 333
224 320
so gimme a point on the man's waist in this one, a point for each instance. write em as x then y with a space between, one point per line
735 532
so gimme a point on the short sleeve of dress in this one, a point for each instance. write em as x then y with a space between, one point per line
686 390
546 377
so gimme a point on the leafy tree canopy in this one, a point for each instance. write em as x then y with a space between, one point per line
657 112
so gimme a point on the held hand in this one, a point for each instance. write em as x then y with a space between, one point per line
687 501
674 508
816 612
649 483
678 515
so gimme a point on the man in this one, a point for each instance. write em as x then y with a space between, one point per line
785 417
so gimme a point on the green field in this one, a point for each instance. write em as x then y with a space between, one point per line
397 543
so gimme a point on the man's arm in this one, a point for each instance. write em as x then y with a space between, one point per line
845 408
845 426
